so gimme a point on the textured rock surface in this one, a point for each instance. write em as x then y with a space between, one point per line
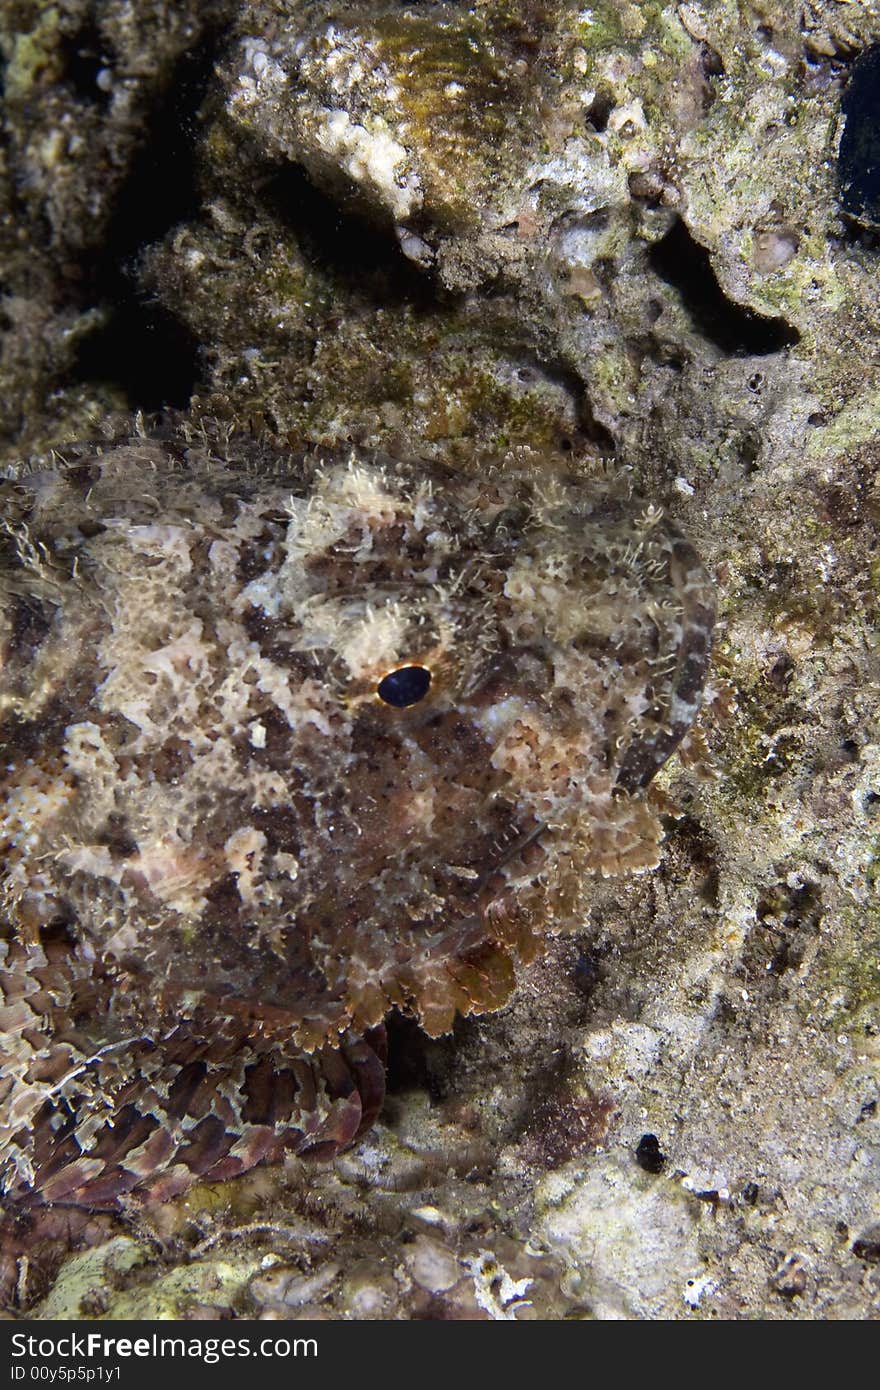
624 239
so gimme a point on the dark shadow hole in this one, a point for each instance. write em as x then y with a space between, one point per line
161 188
649 1155
599 111
146 352
590 433
711 61
859 155
361 255
143 348
85 55
749 450
590 437
417 1062
684 264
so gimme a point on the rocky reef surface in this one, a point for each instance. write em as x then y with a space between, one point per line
456 232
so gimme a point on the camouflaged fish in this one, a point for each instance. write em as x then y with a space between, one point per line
289 742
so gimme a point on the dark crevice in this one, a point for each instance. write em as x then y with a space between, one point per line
684 264
145 351
417 1062
161 187
85 58
589 430
599 437
599 110
359 254
711 62
143 348
859 156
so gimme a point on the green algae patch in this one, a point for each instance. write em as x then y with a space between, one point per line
86 1279
845 988
854 424
34 57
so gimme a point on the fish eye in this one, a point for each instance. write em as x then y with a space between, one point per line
405 686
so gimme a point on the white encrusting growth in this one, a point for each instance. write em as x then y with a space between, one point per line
371 156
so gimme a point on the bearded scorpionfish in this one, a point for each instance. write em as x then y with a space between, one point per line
288 742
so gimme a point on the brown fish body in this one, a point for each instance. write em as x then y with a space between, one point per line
289 743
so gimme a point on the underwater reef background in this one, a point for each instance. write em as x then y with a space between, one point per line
644 236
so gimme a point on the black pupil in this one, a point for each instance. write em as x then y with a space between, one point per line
405 686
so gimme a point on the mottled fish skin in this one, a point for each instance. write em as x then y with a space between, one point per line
231 843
